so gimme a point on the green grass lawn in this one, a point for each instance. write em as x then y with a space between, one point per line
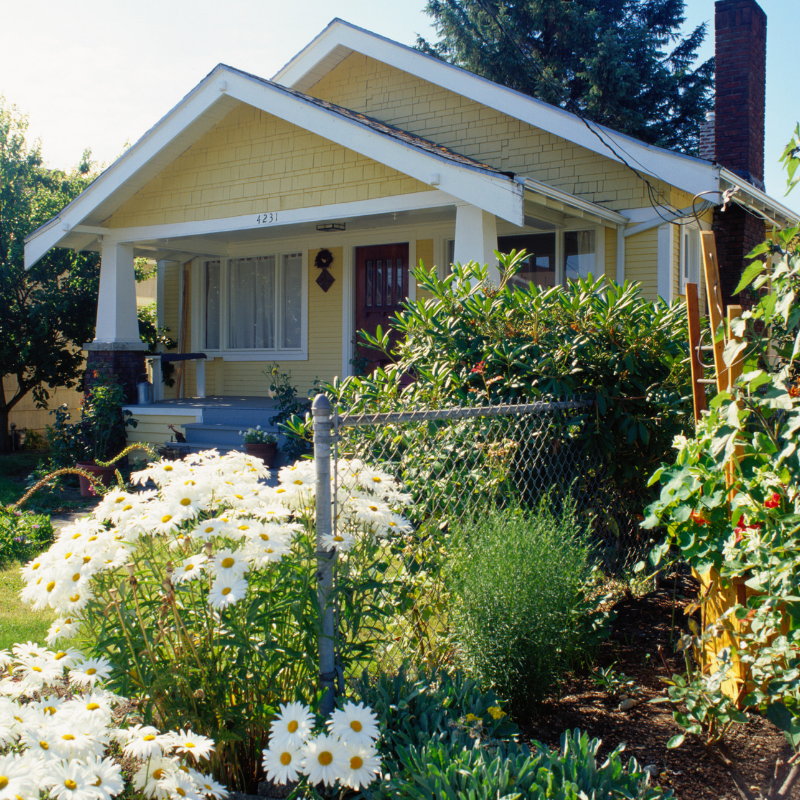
18 623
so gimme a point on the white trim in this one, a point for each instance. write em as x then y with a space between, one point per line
665 261
694 232
570 204
161 268
685 172
348 309
665 216
599 250
412 260
755 199
620 254
156 410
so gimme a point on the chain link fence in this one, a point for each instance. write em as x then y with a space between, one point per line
456 463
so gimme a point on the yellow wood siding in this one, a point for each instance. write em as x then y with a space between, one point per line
252 162
153 428
425 255
26 415
641 261
415 105
610 267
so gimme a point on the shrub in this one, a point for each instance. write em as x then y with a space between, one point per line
22 534
516 580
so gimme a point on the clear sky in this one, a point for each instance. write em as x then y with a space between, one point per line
99 73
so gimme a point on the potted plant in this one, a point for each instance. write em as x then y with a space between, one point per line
261 444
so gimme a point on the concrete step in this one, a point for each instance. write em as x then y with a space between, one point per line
217 432
242 416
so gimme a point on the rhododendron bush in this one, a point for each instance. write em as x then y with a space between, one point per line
201 592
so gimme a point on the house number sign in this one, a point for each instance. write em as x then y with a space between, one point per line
266 219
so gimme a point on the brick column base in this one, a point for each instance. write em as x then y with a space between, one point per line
127 365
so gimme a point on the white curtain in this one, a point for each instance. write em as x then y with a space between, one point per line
252 303
212 304
292 275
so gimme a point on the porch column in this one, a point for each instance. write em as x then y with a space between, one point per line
476 238
117 349
117 322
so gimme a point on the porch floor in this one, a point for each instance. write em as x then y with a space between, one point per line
215 401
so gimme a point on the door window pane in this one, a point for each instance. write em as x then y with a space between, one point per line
291 318
578 254
368 287
379 282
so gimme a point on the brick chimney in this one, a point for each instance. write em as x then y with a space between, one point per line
741 61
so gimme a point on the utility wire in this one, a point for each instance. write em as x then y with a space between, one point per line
572 107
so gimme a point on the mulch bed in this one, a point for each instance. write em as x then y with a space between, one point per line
642 625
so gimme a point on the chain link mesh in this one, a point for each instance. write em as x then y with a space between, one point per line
455 462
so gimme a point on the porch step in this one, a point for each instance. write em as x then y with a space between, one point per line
243 417
217 434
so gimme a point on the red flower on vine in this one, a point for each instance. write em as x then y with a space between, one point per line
773 501
697 517
742 528
479 368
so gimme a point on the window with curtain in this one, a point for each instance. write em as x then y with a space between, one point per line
539 267
254 303
690 257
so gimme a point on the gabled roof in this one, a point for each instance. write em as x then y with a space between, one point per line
464 178
339 39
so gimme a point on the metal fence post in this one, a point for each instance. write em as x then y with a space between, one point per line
321 411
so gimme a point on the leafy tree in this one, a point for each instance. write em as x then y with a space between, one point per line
622 63
44 319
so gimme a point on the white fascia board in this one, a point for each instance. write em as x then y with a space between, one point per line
194 105
497 194
296 216
684 172
573 203
759 198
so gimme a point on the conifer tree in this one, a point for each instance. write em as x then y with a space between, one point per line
621 63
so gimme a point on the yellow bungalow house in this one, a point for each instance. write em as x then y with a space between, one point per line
284 214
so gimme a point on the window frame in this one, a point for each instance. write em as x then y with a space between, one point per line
255 354
687 232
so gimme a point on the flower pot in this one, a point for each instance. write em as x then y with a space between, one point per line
106 475
266 451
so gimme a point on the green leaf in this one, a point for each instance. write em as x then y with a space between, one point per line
676 741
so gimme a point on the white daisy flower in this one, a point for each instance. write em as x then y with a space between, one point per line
190 569
282 764
191 743
324 760
228 564
107 777
291 726
341 540
144 741
150 777
69 780
62 628
19 776
227 591
181 784
354 724
209 787
89 671
363 765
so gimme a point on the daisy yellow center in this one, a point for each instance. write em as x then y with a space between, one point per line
36 669
51 586
188 744
98 782
166 518
356 762
338 538
373 508
75 598
44 745
167 468
87 559
76 577
68 621
228 562
286 759
50 710
356 726
68 737
3 781
36 566
68 556
189 568
239 496
376 479
148 738
280 491
92 538
298 483
325 758
158 774
209 529
265 537
292 726
58 656
225 592
126 508
91 671
180 792
119 500
186 501
244 527
92 706
70 784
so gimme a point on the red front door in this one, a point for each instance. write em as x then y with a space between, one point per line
381 287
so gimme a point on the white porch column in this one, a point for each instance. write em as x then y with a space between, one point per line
117 322
476 238
665 261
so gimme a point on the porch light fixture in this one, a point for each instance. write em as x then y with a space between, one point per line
331 226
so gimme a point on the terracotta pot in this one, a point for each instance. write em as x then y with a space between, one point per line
106 475
266 451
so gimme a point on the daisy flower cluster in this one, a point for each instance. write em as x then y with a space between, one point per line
344 753
219 520
57 723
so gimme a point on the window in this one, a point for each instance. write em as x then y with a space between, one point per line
541 266
254 304
579 251
689 257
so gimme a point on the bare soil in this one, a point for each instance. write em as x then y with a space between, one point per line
643 624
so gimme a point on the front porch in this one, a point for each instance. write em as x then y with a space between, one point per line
207 422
